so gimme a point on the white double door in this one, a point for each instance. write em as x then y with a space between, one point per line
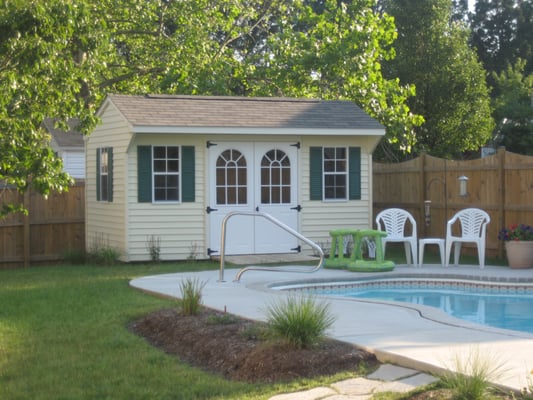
251 177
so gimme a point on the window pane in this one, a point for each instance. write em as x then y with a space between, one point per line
265 195
286 195
231 195
329 153
160 152
276 179
242 195
221 195
276 195
160 166
173 165
231 176
173 152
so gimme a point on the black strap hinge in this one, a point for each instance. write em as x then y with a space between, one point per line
209 209
209 143
297 249
297 208
210 251
297 145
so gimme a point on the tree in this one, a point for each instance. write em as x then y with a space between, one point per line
59 58
502 32
432 53
44 72
513 109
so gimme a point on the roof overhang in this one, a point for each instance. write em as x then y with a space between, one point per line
173 130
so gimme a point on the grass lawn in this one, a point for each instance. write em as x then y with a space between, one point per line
64 335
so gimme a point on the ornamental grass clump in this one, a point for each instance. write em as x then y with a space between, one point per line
517 232
473 376
191 296
300 321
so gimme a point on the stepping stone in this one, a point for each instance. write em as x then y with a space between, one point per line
389 372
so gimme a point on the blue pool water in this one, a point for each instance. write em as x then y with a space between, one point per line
496 305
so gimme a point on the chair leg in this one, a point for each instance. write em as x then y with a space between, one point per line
407 247
481 255
414 252
448 253
456 253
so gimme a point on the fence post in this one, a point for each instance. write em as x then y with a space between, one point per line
501 206
27 253
423 192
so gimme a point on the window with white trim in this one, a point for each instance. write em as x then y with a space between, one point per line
335 170
166 173
104 174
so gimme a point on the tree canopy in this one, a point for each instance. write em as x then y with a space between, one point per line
433 54
58 59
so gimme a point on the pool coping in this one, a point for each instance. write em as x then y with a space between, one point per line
414 336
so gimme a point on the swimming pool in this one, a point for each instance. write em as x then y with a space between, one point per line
499 305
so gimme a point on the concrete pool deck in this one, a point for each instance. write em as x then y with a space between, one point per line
408 335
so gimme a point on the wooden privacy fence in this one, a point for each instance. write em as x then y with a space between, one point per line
500 184
54 226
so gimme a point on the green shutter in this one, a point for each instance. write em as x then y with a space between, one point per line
98 193
315 173
187 174
144 174
110 174
355 173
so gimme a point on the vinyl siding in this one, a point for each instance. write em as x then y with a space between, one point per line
106 221
180 227
319 217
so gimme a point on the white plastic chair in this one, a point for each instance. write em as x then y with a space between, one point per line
394 221
473 230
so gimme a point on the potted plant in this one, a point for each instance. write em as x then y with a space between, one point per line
518 240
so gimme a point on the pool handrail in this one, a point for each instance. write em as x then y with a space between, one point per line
258 268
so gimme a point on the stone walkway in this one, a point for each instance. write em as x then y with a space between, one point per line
388 378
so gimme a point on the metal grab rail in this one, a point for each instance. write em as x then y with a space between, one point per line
276 222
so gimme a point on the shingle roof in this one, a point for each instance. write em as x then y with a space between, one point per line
241 112
72 138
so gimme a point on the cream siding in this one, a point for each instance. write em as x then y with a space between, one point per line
180 227
319 217
106 221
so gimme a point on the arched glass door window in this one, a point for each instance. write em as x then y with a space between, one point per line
275 178
231 178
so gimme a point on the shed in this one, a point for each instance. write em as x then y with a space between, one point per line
164 171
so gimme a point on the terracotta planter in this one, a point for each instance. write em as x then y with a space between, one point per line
519 254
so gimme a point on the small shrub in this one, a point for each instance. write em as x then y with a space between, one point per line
471 381
191 296
101 253
153 244
74 257
301 321
103 256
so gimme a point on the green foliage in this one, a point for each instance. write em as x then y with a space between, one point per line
513 110
48 57
191 296
433 54
59 59
473 375
300 321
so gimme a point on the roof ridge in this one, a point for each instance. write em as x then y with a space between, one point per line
230 98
